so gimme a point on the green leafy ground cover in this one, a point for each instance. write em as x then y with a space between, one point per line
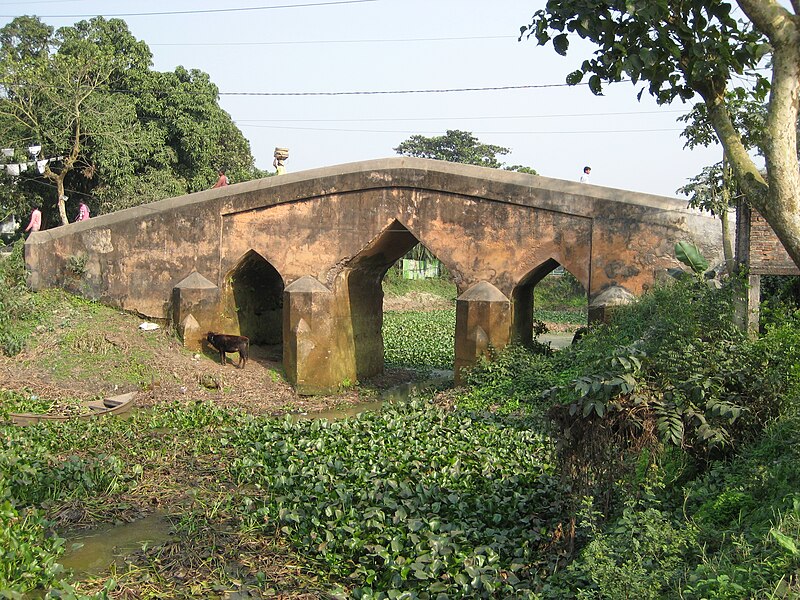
414 498
419 339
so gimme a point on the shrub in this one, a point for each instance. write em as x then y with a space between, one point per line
640 555
513 379
14 302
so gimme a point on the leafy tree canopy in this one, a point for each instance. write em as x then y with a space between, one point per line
125 134
457 146
685 48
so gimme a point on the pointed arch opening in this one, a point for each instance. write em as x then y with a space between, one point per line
365 285
552 294
257 293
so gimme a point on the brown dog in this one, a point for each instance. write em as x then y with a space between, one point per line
230 343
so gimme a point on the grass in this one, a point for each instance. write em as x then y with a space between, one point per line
396 286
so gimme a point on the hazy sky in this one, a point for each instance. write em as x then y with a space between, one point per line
318 48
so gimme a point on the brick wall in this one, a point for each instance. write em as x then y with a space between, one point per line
767 255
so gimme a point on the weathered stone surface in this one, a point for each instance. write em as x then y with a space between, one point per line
603 305
190 332
313 360
344 226
483 321
198 298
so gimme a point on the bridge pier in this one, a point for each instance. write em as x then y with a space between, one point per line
314 357
194 306
483 321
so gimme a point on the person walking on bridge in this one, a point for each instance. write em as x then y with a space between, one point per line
83 212
35 223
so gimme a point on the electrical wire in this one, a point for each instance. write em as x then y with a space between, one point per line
387 119
344 93
206 11
497 88
370 41
418 132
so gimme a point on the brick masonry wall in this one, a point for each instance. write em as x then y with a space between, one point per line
767 254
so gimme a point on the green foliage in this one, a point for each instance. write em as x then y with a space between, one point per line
423 340
412 498
14 304
780 299
397 286
514 379
747 517
17 402
705 382
131 135
678 46
641 554
27 554
560 292
77 264
28 476
689 254
678 49
454 146
460 147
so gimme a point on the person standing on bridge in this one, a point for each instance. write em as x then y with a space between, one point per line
222 180
586 172
83 212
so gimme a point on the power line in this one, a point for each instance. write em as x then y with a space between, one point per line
424 91
368 41
207 11
344 93
516 132
486 117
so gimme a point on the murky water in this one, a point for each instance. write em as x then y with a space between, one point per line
557 340
92 553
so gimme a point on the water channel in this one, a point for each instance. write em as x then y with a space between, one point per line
92 553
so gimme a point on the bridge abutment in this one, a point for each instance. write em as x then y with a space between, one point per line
195 302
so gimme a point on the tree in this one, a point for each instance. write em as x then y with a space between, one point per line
59 100
126 135
695 47
715 189
457 146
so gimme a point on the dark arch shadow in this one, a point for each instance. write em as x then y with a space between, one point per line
258 299
523 301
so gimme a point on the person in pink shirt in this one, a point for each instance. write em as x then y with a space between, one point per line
83 212
222 181
36 220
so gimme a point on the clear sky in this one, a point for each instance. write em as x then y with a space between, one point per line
256 50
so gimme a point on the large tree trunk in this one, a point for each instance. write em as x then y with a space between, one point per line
777 199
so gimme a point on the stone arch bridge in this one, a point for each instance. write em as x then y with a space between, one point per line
298 259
